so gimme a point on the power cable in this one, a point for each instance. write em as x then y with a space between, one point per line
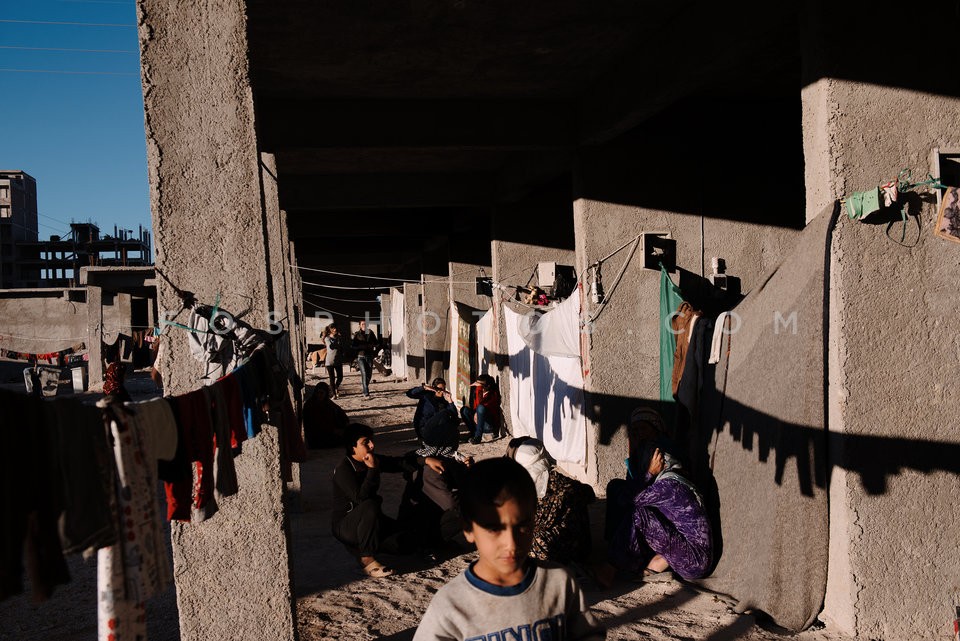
327 271
68 49
381 288
70 24
346 300
71 73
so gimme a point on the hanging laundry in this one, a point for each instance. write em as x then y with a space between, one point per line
681 324
188 499
82 457
210 348
689 392
59 358
485 344
546 396
721 326
136 567
233 399
670 300
28 501
556 332
225 473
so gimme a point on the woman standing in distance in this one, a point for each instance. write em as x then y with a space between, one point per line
333 360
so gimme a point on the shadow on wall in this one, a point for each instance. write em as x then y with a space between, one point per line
872 458
417 363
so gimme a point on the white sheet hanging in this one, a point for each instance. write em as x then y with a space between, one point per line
555 333
398 328
485 350
546 396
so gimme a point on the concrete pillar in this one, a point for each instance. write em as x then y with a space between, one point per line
95 337
413 307
436 325
212 231
515 261
893 329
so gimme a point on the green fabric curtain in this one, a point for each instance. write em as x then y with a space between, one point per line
670 300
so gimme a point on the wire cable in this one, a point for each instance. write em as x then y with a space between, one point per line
68 49
346 300
327 271
69 24
381 288
71 73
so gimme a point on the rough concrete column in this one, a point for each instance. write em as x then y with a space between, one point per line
515 261
413 331
436 325
893 338
95 337
211 229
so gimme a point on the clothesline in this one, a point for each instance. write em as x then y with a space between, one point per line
330 311
94 479
397 281
40 338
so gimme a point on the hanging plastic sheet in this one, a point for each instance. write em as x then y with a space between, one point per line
555 333
398 324
763 429
546 396
485 344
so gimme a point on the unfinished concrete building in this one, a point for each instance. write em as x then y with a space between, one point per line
18 224
393 140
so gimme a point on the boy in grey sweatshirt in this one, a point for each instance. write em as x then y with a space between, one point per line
505 594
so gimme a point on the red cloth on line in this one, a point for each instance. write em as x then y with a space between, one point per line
234 401
193 413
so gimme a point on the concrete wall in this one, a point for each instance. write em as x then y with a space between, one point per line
894 347
436 325
313 329
41 320
46 320
622 353
647 181
413 329
212 237
463 287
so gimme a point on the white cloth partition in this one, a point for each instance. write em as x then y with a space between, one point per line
546 395
398 326
485 345
556 332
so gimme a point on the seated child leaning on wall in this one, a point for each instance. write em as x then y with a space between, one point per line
505 590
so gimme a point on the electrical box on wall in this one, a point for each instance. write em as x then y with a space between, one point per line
946 167
556 280
659 248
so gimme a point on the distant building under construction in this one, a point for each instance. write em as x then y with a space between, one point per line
58 261
28 262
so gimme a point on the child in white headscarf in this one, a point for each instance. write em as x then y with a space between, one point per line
562 528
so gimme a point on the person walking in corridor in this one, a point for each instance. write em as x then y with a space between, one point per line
365 343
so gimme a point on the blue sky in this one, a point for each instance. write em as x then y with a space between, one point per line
80 134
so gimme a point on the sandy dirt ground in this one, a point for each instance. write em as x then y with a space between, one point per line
335 600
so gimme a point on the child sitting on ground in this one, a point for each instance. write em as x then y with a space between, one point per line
505 594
